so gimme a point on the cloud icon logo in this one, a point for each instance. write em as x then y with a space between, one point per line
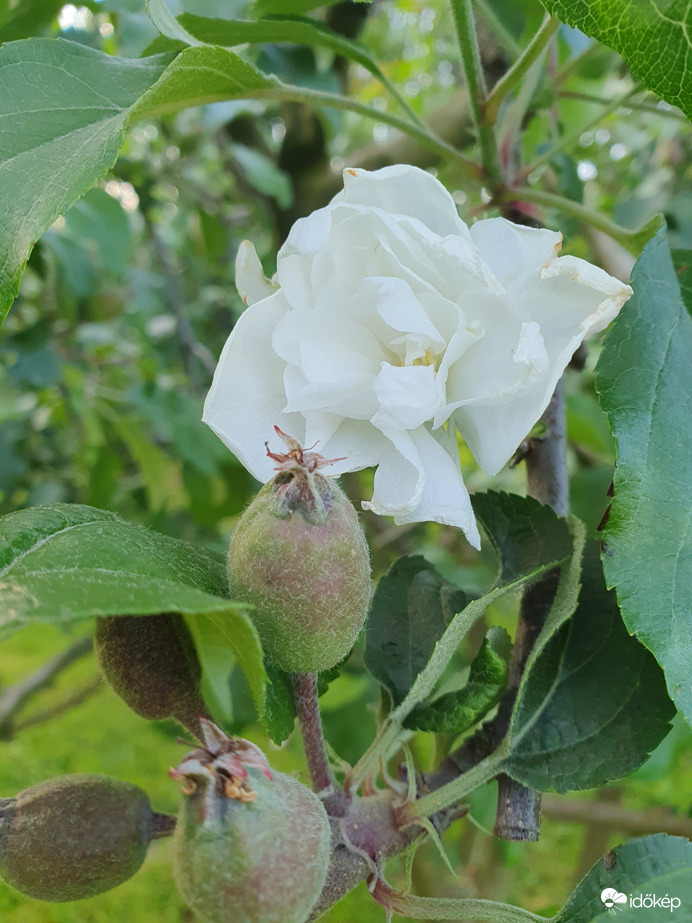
610 897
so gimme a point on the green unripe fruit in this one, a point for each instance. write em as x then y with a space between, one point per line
151 662
74 836
251 845
300 558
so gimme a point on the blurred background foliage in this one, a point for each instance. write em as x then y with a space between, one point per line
126 303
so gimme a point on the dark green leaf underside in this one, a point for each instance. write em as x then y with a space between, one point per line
410 610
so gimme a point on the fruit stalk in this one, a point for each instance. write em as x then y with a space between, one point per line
331 794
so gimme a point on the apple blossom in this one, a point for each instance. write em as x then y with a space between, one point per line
390 326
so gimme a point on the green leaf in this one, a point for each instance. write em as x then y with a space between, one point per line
411 608
279 715
23 19
455 712
593 705
63 111
651 35
413 605
498 512
280 29
658 865
644 381
217 660
268 7
63 563
167 24
204 75
526 535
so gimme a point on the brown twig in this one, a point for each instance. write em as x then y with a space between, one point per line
72 700
601 813
15 697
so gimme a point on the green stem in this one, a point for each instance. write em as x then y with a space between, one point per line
568 141
642 106
454 791
310 721
475 82
426 680
632 240
518 70
576 62
288 93
450 908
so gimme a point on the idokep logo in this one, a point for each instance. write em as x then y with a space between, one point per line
611 897
617 900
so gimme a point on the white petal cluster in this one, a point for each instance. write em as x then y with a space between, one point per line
389 327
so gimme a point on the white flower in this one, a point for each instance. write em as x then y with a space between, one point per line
389 326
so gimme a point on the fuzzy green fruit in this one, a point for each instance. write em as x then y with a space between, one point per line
251 845
73 836
151 662
300 558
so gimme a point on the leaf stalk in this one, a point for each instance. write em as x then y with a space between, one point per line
518 70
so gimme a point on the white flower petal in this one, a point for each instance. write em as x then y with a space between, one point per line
417 480
408 396
513 252
358 442
568 272
307 236
570 300
326 347
404 190
400 309
250 280
352 396
247 396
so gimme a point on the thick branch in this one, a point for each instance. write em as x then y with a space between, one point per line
546 459
519 808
